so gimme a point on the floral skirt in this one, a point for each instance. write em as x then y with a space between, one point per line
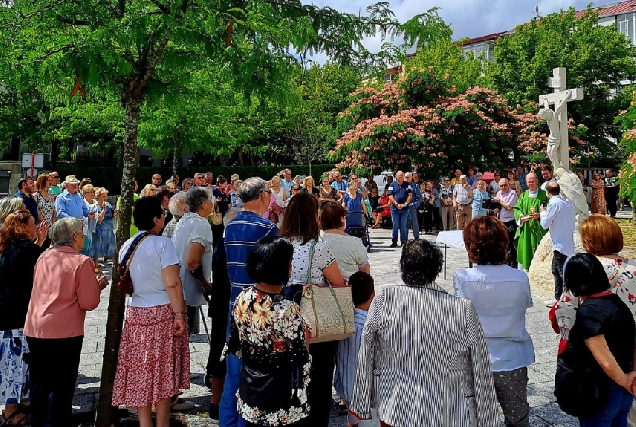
14 366
153 363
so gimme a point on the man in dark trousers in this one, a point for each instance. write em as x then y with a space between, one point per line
611 192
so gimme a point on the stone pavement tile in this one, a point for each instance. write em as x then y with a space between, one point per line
385 269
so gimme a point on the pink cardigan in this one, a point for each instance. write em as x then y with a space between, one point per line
64 289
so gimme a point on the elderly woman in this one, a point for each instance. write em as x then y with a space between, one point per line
9 205
423 359
479 195
222 202
18 255
150 373
268 333
178 207
300 226
88 191
64 289
602 343
348 250
280 195
192 240
103 237
602 237
501 296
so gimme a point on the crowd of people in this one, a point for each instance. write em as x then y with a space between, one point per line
257 252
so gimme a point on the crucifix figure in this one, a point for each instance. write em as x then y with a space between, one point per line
557 119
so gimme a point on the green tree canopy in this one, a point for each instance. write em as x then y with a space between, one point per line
598 59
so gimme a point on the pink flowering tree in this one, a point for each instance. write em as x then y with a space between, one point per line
421 121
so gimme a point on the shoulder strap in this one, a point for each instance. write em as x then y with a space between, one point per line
311 258
620 272
133 248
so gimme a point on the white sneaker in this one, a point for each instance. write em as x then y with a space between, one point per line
550 302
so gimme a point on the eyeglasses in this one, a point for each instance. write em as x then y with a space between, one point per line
266 191
447 180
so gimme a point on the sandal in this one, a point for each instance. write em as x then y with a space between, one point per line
25 420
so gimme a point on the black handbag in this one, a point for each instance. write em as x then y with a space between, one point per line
579 391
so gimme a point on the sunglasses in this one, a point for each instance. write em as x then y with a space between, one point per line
295 189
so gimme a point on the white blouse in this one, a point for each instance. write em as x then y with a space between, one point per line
323 258
348 251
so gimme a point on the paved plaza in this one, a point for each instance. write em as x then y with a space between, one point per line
384 268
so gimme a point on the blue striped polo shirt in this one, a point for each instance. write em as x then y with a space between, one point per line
241 234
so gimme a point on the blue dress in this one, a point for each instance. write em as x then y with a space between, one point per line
103 244
354 205
478 197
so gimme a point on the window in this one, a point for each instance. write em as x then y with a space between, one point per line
388 78
626 25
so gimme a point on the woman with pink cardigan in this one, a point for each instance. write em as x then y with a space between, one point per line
65 287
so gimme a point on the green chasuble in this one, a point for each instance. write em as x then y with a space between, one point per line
529 234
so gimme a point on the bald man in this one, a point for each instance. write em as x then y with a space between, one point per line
529 232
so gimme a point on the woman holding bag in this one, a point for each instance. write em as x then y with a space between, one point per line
312 261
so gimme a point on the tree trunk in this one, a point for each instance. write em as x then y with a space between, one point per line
55 148
175 157
14 149
240 156
116 304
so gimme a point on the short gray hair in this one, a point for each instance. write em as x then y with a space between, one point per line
63 229
251 189
195 198
178 204
9 205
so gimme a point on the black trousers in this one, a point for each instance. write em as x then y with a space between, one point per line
217 233
323 363
558 260
511 226
54 369
611 194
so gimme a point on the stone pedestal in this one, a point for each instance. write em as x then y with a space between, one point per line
540 273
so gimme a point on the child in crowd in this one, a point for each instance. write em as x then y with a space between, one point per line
362 292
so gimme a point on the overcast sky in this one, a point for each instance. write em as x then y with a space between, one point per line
468 18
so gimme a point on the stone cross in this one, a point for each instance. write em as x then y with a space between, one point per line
557 119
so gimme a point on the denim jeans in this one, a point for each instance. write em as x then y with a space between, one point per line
614 414
400 218
414 223
228 413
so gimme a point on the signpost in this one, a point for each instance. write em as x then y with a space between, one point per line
32 161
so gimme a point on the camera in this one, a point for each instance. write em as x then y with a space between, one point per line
488 204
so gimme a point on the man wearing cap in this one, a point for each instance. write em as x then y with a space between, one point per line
462 199
70 204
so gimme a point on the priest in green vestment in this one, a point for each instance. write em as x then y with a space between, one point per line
529 230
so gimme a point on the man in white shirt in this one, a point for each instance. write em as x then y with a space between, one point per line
548 176
493 187
559 218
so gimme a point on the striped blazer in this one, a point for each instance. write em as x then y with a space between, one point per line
423 361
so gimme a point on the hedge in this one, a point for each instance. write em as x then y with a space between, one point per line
110 177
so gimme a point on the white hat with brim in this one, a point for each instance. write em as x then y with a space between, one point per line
462 177
70 179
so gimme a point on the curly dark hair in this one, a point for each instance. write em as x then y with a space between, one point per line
301 218
421 262
486 240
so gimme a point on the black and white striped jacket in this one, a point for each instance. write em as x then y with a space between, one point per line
423 361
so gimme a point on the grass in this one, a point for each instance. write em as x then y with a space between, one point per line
629 232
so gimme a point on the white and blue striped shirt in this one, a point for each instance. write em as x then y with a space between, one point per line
347 356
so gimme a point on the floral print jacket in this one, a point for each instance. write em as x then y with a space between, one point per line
268 333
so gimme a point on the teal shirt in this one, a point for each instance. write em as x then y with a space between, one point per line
55 190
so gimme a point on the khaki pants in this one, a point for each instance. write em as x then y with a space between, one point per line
448 217
464 215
